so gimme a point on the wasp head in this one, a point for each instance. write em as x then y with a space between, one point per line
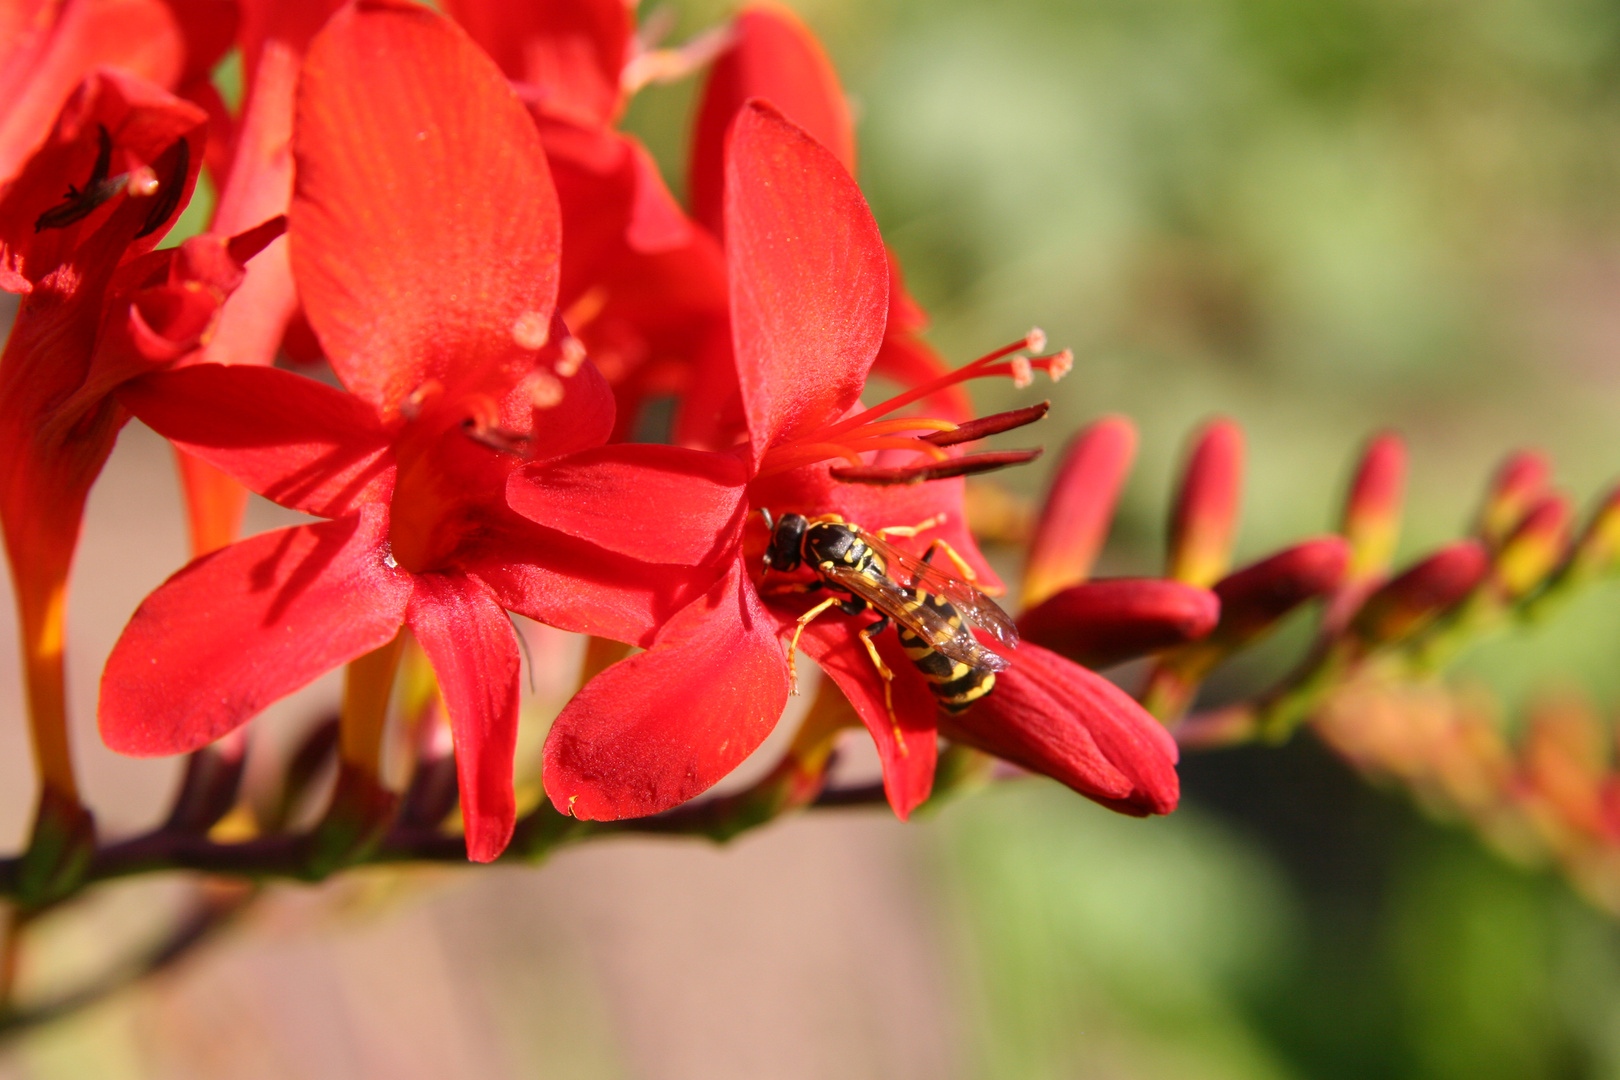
786 540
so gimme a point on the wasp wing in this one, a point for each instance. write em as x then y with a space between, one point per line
978 608
954 641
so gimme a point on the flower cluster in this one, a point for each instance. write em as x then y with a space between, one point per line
437 211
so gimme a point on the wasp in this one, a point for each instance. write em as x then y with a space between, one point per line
934 611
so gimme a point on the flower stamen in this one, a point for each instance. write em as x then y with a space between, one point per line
867 430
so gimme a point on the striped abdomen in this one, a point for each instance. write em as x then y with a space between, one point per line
955 684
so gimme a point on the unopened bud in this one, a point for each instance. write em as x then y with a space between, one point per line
1100 623
1074 523
1252 602
1535 548
1407 603
1372 510
1598 550
1256 598
1519 482
1204 521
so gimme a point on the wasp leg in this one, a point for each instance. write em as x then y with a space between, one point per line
793 647
960 563
912 530
866 637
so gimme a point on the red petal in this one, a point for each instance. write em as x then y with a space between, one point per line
246 626
298 442
1055 717
908 743
661 727
424 225
474 652
570 54
809 278
44 54
575 585
653 503
774 57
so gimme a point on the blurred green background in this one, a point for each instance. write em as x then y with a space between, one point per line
1320 217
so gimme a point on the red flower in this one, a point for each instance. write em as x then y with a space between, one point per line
99 308
425 246
809 298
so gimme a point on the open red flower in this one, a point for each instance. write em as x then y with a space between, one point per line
425 239
809 301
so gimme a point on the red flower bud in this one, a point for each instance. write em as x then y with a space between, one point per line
1519 482
1074 522
1405 604
1598 550
1204 521
1255 598
1535 547
1252 601
1099 623
1372 510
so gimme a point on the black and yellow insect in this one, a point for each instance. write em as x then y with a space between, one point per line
934 611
